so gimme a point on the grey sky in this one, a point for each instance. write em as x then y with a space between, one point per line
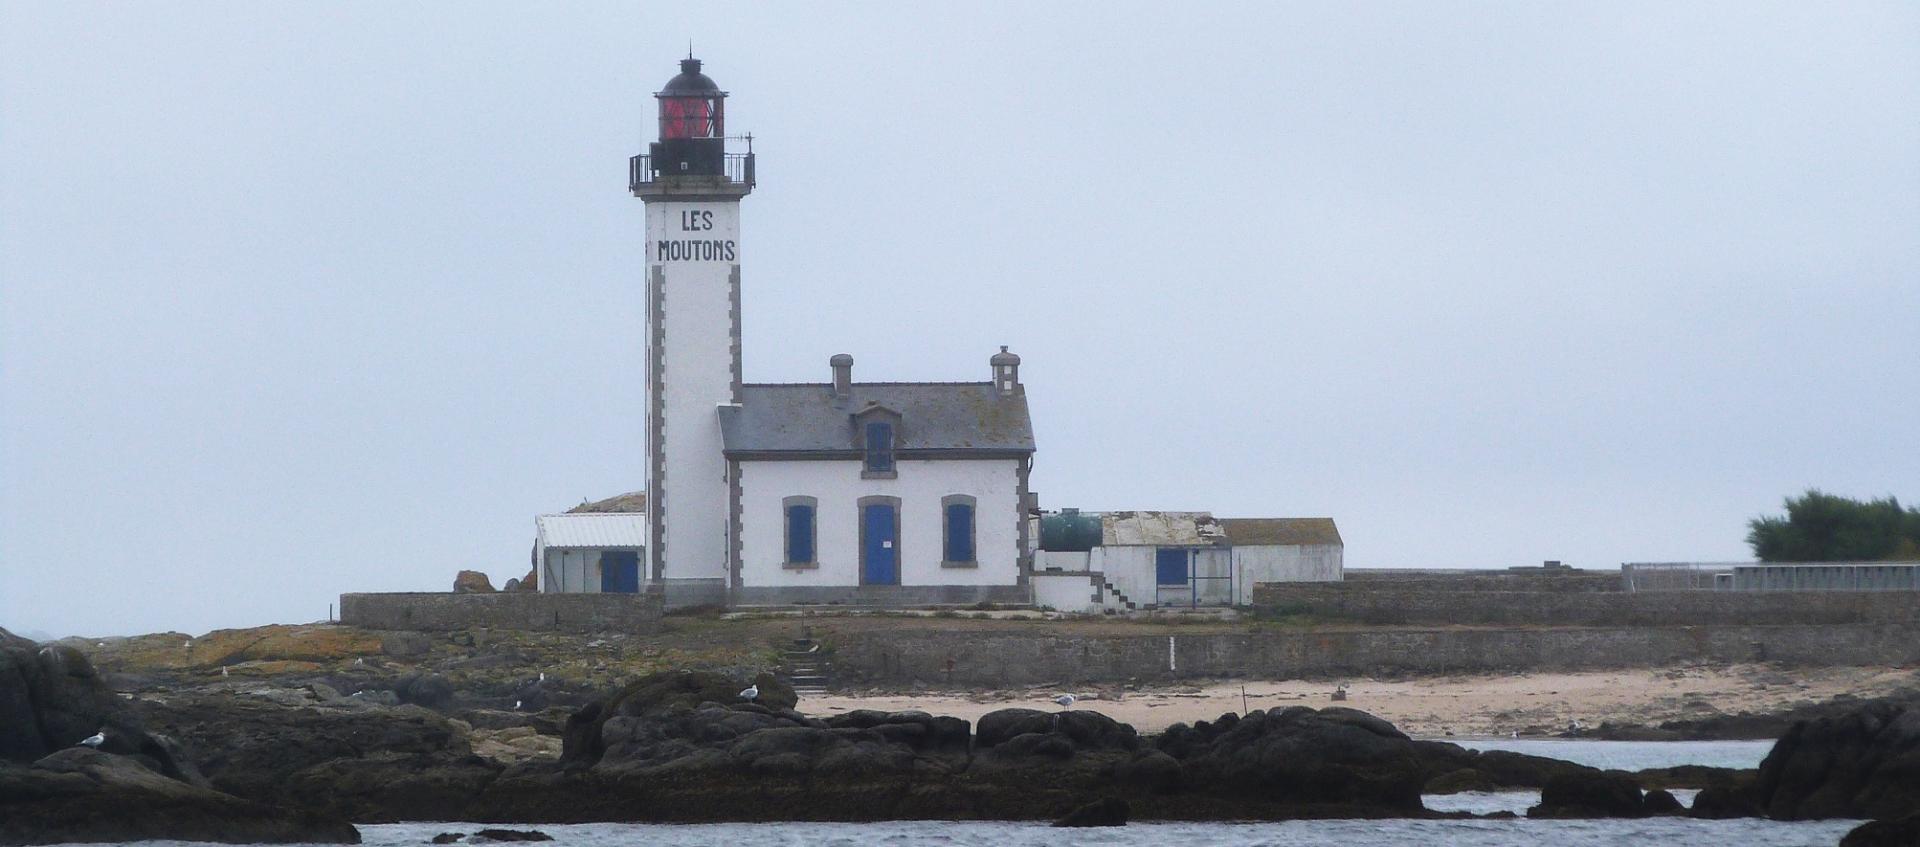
297 300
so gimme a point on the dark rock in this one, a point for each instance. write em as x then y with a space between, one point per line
79 794
366 762
1723 802
1153 771
1863 763
1660 802
998 726
1111 811
1457 781
1897 832
1590 794
448 837
659 694
472 582
430 690
511 835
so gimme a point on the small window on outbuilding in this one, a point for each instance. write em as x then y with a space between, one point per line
957 527
801 517
879 447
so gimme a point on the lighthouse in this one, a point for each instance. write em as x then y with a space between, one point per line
692 188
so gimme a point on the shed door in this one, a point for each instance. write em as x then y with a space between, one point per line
619 572
879 550
1170 565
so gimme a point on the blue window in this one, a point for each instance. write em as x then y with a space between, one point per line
1170 565
800 528
959 531
879 447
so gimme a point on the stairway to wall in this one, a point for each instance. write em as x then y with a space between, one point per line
806 667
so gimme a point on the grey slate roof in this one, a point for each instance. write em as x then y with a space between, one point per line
952 418
1284 532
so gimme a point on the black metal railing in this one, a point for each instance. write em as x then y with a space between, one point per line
735 168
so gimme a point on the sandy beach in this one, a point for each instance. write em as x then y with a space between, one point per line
1527 704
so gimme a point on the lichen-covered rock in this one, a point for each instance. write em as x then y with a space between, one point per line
472 582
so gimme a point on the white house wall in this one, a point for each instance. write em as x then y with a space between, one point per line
1064 592
837 486
1289 563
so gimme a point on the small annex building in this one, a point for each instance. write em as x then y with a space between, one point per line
1134 560
592 552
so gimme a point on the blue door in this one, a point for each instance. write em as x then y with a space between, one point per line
619 572
879 550
1170 565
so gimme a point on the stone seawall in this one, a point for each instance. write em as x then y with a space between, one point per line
1570 581
632 613
1396 604
1014 659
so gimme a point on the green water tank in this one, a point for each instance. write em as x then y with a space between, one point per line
1069 531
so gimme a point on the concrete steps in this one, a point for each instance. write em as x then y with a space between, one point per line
806 667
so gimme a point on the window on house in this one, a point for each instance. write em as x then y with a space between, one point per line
879 447
800 530
958 528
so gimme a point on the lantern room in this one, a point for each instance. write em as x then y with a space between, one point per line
692 125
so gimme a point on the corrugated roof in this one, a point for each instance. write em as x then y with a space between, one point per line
593 529
632 501
1247 532
1161 529
946 416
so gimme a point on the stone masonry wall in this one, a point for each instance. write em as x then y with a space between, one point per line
1414 604
1568 581
1000 659
632 613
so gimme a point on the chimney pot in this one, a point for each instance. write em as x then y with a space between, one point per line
842 365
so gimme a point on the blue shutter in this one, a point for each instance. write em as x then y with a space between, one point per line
959 532
879 447
799 534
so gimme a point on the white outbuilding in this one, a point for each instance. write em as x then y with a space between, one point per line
593 552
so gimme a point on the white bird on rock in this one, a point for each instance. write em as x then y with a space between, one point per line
750 693
1066 701
96 739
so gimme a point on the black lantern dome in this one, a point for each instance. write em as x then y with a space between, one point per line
690 154
691 80
692 124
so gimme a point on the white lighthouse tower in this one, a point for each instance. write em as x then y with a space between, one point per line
692 188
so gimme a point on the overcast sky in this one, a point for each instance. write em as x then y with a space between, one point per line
299 300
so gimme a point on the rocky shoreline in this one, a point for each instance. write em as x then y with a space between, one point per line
262 764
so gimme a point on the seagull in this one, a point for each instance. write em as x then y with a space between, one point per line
224 670
96 739
1066 701
516 705
750 693
543 676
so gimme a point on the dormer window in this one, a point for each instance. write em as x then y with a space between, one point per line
879 448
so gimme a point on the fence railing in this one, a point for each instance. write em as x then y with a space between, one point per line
735 168
1677 576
